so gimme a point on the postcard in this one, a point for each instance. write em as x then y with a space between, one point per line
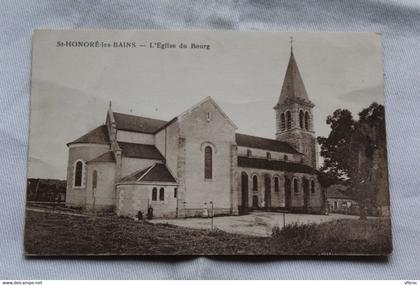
207 143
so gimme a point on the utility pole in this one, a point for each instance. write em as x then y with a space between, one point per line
284 219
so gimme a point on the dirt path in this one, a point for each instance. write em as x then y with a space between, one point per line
253 224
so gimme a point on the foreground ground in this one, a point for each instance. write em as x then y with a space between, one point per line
257 223
62 234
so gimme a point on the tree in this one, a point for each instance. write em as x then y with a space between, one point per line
356 150
335 147
367 159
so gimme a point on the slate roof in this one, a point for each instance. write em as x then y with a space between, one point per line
135 175
157 172
261 163
336 191
140 151
263 143
293 86
105 157
139 124
98 135
133 123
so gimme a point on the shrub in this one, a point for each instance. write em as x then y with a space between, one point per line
336 237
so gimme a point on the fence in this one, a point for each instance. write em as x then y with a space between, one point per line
202 210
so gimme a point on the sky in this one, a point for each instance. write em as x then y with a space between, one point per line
242 71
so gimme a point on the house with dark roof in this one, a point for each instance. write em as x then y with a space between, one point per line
339 201
174 168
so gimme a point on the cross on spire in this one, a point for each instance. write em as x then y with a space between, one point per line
291 44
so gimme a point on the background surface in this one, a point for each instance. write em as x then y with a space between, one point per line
399 21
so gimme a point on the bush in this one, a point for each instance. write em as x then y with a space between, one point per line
296 237
336 237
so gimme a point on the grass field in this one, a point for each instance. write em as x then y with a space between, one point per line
58 234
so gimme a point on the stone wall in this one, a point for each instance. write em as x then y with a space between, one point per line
199 212
133 137
132 198
200 132
234 177
180 172
76 196
301 139
261 153
103 197
166 141
277 199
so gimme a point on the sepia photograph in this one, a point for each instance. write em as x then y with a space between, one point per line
207 143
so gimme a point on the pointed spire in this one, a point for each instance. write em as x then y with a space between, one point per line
293 86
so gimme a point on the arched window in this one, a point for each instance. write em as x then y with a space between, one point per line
154 194
208 163
276 184
95 179
78 174
295 185
161 194
335 205
255 183
268 155
312 186
283 121
289 120
307 120
301 119
249 153
285 157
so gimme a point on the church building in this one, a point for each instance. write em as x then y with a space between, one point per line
198 160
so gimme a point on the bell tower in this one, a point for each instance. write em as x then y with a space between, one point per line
294 117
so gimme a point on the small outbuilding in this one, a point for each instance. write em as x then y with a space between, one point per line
339 201
151 189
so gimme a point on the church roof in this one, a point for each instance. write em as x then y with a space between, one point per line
293 86
157 172
132 123
263 143
139 124
98 135
261 163
105 157
140 151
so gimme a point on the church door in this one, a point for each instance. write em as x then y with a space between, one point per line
255 202
267 193
287 192
305 193
244 186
